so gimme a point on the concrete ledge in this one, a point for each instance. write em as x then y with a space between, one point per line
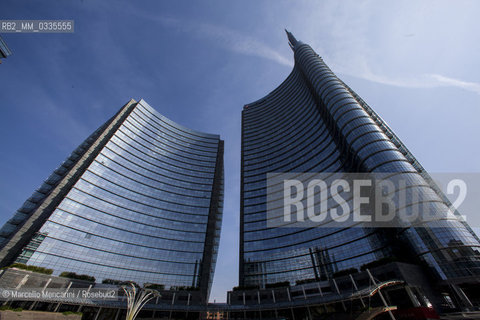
36 315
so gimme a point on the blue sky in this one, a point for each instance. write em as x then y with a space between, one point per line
198 62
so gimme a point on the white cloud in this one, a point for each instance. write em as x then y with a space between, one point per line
226 38
368 40
446 81
240 43
243 44
415 81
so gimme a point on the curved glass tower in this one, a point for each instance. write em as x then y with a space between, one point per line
140 200
313 122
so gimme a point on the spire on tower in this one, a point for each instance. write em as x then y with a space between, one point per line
291 39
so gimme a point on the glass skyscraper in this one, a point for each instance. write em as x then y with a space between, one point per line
313 122
4 50
140 200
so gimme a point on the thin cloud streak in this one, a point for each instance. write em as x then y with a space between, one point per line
422 81
243 44
226 38
431 80
349 36
446 81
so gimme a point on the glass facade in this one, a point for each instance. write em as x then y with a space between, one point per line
4 50
147 208
313 122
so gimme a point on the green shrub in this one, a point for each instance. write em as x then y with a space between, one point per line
66 313
119 282
113 281
244 288
7 307
154 286
31 268
182 288
73 275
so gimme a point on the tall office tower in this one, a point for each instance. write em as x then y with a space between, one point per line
4 50
139 200
313 122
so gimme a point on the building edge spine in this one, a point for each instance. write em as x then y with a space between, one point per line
209 256
25 229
